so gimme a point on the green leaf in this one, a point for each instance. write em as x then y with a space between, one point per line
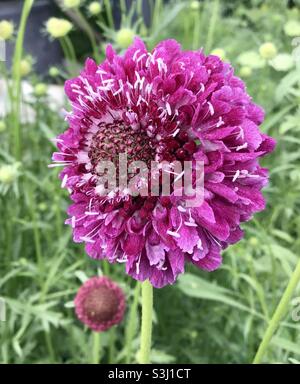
285 344
199 288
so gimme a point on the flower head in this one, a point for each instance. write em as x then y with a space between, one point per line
6 30
54 72
268 51
100 303
167 105
40 89
195 5
219 52
292 28
9 174
124 37
246 71
58 27
25 67
69 4
95 8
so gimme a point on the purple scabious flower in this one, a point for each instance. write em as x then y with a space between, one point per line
100 303
169 105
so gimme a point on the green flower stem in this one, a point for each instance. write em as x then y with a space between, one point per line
109 13
69 53
89 31
212 26
132 323
112 347
96 348
196 32
16 78
70 48
278 314
146 331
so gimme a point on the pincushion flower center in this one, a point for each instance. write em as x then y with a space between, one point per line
114 138
101 304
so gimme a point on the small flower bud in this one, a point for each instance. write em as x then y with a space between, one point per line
6 30
8 173
40 89
246 71
219 52
25 67
124 37
292 28
253 241
267 51
71 3
195 5
95 8
54 72
58 27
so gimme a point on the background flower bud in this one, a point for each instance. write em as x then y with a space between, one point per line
71 3
6 29
268 51
25 67
58 27
124 37
95 8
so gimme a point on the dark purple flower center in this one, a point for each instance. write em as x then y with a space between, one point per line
115 138
101 304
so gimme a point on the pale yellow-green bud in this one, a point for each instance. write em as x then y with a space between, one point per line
8 173
246 71
58 27
268 51
195 5
219 52
71 3
42 207
25 67
253 241
95 8
2 126
54 72
6 30
292 28
23 262
40 89
124 37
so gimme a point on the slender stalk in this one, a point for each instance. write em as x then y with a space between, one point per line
96 348
16 78
36 233
111 347
278 314
196 32
109 13
132 324
89 31
69 53
212 26
146 331
70 48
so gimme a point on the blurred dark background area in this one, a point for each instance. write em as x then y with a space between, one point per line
47 53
